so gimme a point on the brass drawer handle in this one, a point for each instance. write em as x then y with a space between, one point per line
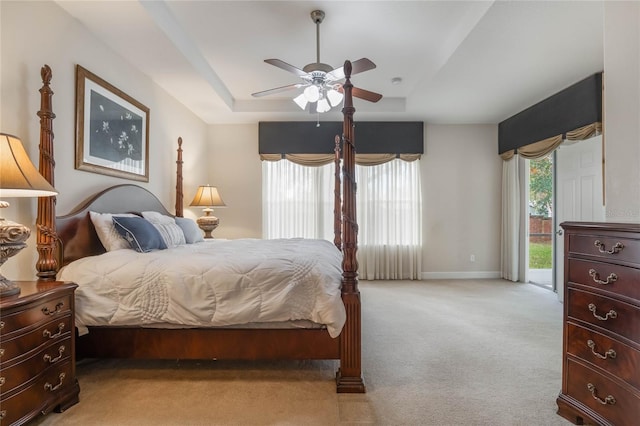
608 354
47 311
596 277
611 314
1 325
48 386
1 352
47 357
616 248
3 413
594 393
2 380
47 333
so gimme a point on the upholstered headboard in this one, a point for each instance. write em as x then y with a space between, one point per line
76 232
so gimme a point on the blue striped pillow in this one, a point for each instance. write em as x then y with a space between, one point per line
141 235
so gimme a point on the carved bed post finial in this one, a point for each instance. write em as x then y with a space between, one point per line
349 378
179 193
337 206
46 237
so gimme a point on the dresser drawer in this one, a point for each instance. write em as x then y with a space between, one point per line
609 354
21 372
43 311
610 314
38 395
617 280
614 249
19 345
604 396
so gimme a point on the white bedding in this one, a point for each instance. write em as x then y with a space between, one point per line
211 283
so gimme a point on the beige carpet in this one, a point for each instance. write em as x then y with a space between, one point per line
468 352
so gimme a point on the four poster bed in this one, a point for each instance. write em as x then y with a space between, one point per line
66 241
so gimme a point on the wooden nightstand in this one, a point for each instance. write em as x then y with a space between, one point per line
37 351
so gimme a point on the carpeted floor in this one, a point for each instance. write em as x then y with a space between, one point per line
449 352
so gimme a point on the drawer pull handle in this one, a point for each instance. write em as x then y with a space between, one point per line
48 386
611 314
3 413
594 393
1 352
616 248
47 333
1 325
2 380
596 277
47 357
608 354
47 311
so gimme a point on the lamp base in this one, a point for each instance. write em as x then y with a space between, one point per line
12 240
208 223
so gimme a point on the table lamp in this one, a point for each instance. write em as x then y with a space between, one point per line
18 178
208 197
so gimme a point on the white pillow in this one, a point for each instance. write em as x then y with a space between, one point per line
192 233
171 233
109 237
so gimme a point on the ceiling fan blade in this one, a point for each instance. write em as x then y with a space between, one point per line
287 67
277 90
361 65
362 93
366 95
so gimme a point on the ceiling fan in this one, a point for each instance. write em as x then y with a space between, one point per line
323 88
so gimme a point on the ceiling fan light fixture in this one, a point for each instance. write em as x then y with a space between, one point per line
312 93
335 97
301 100
323 105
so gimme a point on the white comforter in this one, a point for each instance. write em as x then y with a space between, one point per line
212 283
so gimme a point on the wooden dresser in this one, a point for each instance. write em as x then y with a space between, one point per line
37 351
601 345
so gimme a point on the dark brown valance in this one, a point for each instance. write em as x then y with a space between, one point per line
374 137
576 107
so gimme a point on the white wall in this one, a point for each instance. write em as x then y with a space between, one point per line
38 33
622 110
461 183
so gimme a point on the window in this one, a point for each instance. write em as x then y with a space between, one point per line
298 202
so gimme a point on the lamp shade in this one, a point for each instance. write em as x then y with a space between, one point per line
207 196
18 175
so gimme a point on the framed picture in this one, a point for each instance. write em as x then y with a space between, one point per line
112 129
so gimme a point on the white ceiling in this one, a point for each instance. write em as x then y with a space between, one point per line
460 61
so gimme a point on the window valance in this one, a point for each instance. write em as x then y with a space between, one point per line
372 137
574 113
314 160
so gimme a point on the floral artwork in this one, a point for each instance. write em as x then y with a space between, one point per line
112 130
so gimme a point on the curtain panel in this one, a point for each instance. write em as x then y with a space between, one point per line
298 202
316 160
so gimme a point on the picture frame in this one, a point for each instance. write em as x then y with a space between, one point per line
112 129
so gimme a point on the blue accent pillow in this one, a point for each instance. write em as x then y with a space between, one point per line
192 232
141 235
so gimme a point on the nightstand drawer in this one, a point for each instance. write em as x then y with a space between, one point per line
609 314
609 354
19 345
620 281
37 396
43 311
22 372
604 396
611 248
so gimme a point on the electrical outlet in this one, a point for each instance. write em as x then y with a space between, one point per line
472 258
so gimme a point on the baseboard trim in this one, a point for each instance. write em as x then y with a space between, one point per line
473 275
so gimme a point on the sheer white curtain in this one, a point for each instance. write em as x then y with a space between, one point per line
389 207
298 202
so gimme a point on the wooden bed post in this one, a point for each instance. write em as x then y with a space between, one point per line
349 377
179 193
46 237
337 209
